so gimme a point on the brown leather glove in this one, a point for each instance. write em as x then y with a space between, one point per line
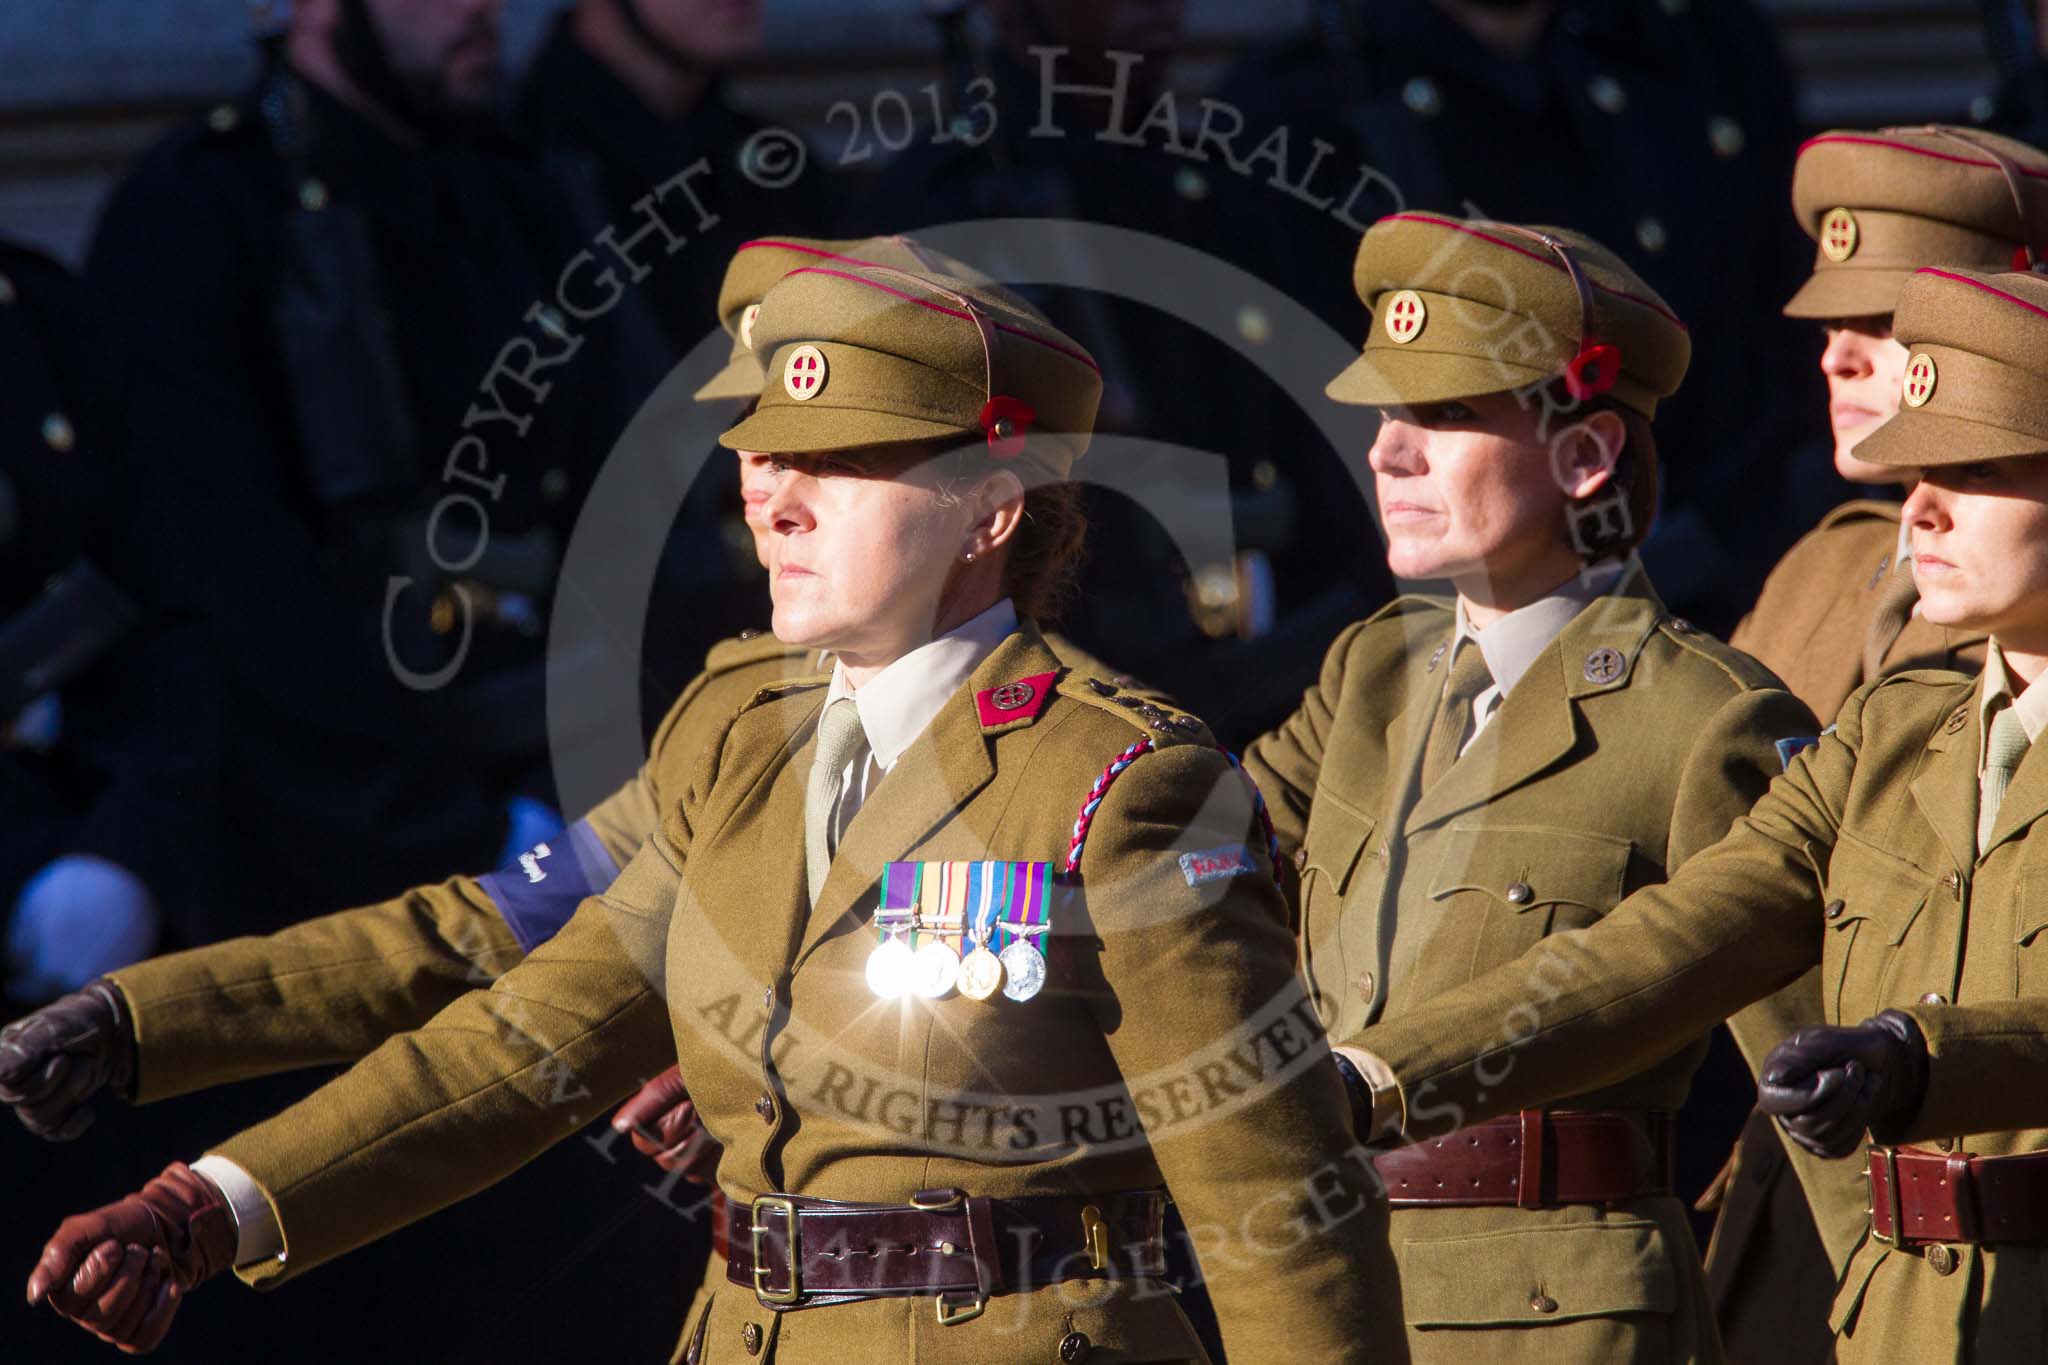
54 1060
663 1126
120 1271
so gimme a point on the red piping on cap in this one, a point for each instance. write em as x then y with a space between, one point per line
1650 304
1053 346
2034 308
1862 140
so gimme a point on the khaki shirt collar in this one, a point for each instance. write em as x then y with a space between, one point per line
1512 644
899 702
2031 703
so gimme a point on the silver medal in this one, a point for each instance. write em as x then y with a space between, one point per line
1023 970
889 969
935 969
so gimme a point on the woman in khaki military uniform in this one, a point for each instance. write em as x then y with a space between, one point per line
1901 856
1473 774
1839 611
330 990
983 1126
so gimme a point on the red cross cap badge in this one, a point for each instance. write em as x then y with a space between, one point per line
1011 702
1838 234
803 374
747 325
1405 317
1921 378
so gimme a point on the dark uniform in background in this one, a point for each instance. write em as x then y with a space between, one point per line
1666 129
312 320
1239 636
609 150
306 311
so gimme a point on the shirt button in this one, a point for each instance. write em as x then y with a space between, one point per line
1934 998
765 1107
750 1337
1726 136
1607 95
1300 859
554 484
1941 1258
312 195
1834 909
1543 1303
1519 893
1074 1348
1651 235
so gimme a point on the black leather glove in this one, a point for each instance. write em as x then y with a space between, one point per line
1827 1086
54 1060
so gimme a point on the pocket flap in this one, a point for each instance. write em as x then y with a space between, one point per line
1532 1276
1524 867
1865 883
1336 836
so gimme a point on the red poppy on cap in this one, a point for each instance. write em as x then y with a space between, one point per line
1593 370
1007 421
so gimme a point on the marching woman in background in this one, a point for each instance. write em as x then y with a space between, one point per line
1477 772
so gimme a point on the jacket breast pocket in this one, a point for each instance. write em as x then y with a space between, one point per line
1497 890
2030 932
1593 1291
1870 902
1334 851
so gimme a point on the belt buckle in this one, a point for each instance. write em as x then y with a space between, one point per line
787 1207
1890 1157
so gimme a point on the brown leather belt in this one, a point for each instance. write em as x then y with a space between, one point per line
1537 1159
1957 1197
965 1249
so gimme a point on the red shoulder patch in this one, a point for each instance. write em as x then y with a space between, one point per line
1014 701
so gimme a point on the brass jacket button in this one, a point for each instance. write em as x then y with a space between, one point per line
750 1337
1834 909
1300 859
1519 893
1941 1258
1543 1303
765 1107
1074 1348
1934 998
1365 984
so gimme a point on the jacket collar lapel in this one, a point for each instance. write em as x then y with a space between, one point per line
1945 786
1538 724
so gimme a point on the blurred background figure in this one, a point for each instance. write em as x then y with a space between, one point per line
623 97
1667 129
1239 633
95 833
363 494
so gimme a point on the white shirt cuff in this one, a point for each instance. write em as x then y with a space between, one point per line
257 1234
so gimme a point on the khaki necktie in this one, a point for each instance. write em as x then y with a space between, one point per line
1454 718
840 739
1894 605
2002 754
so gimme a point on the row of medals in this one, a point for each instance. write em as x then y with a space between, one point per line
934 969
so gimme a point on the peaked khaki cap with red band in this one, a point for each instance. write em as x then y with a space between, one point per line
758 264
1464 307
1881 204
1976 385
860 357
